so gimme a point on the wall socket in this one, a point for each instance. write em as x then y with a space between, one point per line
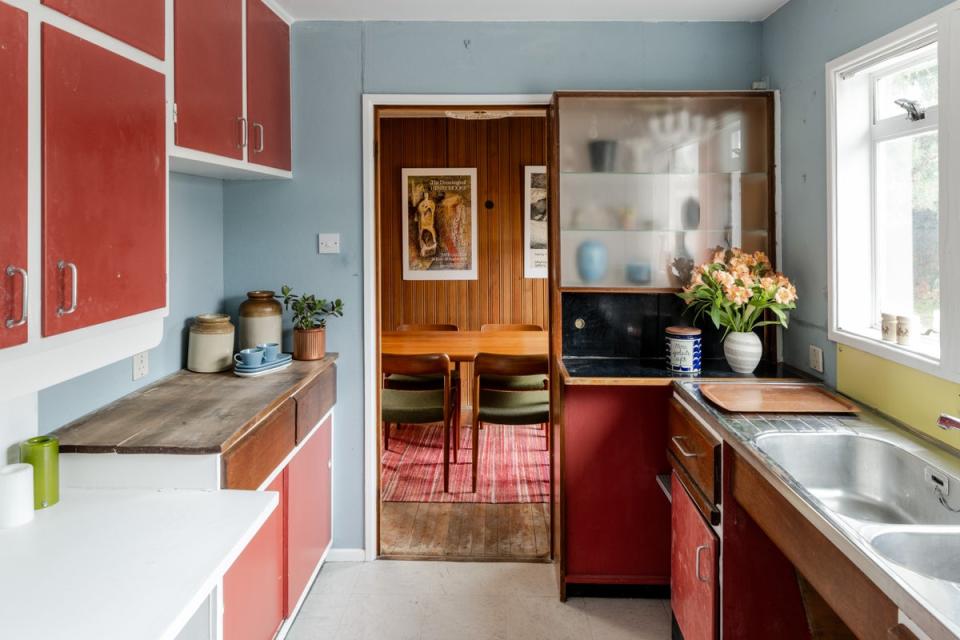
141 365
328 243
816 358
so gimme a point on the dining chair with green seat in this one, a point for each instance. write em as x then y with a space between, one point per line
418 406
514 383
507 407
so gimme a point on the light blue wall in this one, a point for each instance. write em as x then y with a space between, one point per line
798 41
196 286
270 228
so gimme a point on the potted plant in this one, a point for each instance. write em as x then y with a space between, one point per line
735 289
309 322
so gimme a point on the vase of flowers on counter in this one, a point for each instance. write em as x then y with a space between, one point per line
735 289
309 322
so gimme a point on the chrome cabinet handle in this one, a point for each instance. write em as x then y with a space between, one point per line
699 549
74 276
259 128
11 272
683 450
329 464
243 132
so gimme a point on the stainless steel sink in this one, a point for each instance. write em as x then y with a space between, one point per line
934 554
862 477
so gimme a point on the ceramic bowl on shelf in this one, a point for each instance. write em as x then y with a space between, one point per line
638 272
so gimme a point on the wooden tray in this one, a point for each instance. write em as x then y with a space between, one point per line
775 398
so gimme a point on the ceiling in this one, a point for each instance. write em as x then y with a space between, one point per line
531 10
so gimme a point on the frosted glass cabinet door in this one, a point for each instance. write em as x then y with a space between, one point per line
651 184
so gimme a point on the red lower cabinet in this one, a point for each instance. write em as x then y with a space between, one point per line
253 588
308 511
694 568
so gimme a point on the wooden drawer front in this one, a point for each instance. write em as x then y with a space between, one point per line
315 401
696 450
250 461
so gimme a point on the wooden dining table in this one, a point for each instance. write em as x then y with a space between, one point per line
463 346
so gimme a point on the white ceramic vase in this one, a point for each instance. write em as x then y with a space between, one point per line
743 350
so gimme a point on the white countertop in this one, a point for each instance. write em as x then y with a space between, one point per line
122 564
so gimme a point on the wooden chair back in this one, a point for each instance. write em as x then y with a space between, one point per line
510 327
495 364
420 365
428 327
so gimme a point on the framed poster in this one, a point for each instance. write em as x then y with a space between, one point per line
535 222
440 206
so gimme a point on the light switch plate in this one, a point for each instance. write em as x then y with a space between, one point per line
816 358
141 365
328 243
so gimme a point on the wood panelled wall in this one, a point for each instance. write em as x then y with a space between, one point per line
499 149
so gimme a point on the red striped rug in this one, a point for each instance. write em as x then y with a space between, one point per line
514 467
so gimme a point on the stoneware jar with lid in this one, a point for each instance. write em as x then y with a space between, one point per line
261 319
211 343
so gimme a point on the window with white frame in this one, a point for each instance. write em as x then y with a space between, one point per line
889 280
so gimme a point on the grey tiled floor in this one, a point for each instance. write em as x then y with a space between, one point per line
399 600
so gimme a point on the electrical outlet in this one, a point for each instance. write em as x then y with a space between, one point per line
328 243
816 358
141 365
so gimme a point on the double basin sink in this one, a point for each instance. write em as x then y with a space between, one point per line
900 504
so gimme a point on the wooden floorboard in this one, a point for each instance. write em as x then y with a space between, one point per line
465 531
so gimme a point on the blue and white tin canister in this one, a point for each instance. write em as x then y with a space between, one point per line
683 350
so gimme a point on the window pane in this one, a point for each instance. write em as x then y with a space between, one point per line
918 82
908 258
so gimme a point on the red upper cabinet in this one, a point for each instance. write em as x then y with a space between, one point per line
139 23
208 76
253 586
104 185
13 175
694 572
268 86
308 511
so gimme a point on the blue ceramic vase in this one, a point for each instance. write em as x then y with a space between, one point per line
592 261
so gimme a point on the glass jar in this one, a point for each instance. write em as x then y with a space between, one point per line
211 343
261 319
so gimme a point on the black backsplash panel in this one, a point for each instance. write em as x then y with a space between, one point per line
627 325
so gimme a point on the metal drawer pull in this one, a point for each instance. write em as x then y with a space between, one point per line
259 127
74 277
11 272
699 549
683 450
243 132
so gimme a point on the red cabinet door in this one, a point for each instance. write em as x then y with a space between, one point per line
140 24
308 511
208 76
268 86
13 174
253 586
694 568
104 185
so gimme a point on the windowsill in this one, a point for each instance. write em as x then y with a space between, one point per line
923 354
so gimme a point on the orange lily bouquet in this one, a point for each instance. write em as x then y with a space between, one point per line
735 288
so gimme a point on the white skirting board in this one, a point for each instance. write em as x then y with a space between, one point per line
346 555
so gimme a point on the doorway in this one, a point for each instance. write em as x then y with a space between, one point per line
508 517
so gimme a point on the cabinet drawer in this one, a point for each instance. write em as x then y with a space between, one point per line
696 450
314 401
248 463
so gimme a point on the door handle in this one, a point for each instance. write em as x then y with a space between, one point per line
260 140
699 549
74 277
683 450
243 132
11 272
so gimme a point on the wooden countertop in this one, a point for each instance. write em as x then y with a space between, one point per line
188 413
623 372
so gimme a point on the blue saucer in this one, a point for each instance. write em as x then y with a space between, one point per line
282 359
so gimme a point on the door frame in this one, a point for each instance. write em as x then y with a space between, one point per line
371 309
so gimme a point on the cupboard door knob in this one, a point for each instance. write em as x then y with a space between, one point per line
74 277
243 132
11 272
329 464
699 549
259 129
677 440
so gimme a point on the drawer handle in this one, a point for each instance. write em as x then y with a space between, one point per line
260 138
699 549
74 277
677 440
11 272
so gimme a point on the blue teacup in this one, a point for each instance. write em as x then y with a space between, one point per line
271 351
252 357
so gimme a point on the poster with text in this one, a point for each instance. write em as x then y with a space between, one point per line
440 206
535 222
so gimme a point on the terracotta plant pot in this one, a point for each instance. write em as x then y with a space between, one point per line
309 344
